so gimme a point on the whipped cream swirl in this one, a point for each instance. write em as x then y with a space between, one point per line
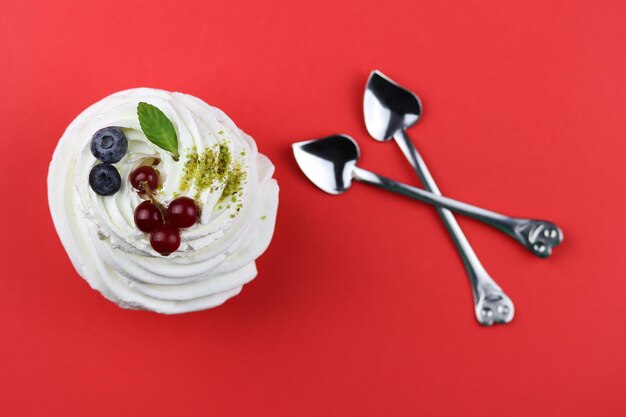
216 256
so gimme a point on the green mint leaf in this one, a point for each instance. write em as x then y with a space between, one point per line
158 128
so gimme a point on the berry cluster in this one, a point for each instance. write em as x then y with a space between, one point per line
108 145
163 224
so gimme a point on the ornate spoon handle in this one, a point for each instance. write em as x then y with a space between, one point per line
538 236
491 304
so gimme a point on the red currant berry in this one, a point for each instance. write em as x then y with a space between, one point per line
165 239
182 212
144 174
147 217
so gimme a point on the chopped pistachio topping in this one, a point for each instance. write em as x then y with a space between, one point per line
234 183
189 171
214 165
224 161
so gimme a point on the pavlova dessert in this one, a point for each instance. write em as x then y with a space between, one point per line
161 202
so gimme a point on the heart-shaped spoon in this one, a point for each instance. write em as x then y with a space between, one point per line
390 109
330 163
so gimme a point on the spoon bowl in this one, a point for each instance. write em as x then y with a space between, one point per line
328 162
388 107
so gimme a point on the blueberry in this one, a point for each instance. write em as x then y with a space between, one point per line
104 179
109 144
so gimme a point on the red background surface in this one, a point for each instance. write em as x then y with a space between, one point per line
361 307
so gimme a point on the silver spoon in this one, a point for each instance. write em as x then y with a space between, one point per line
330 163
389 109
